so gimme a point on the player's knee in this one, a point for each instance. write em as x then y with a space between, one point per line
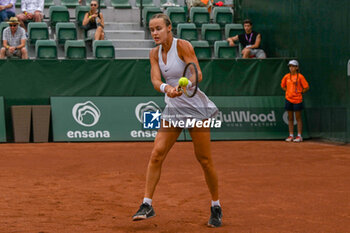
205 162
157 156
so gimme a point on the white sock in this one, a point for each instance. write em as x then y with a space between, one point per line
291 135
147 200
299 135
215 203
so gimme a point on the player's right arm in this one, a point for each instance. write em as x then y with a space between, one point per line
284 83
156 77
231 40
86 19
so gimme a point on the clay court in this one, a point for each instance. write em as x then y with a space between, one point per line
265 186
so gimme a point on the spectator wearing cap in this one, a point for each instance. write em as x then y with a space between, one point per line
295 85
31 10
14 41
7 9
250 40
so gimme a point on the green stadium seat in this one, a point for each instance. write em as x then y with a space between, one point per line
103 49
223 50
80 12
199 16
177 15
222 16
233 30
18 4
37 31
102 2
75 49
70 3
45 49
58 14
3 25
122 4
48 3
145 3
202 49
187 31
211 33
65 31
149 12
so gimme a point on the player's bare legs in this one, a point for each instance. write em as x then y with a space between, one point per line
291 122
299 121
165 139
201 143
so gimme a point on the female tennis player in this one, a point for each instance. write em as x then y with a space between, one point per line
169 59
294 84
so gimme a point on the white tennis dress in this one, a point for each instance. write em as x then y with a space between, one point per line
182 107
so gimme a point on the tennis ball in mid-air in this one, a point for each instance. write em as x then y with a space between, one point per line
183 82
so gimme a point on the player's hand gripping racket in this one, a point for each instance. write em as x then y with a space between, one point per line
190 70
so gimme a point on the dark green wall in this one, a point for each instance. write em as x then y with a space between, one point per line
32 82
318 34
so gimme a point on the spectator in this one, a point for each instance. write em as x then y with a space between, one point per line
82 2
94 22
200 3
31 10
14 41
7 9
295 85
250 40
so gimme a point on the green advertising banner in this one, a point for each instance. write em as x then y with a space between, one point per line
103 118
138 118
252 117
2 121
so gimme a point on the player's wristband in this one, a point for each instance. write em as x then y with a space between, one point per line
162 87
189 85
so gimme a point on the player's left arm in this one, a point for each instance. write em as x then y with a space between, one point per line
304 84
257 42
187 54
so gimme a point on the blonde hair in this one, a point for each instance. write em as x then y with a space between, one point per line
166 18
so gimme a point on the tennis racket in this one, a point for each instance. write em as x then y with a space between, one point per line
190 70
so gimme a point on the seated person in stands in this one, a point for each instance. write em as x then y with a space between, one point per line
31 10
200 3
14 41
7 9
250 41
94 22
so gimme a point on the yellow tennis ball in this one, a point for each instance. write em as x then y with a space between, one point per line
183 82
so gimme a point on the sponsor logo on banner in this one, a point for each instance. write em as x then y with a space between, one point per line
87 114
144 111
146 107
151 120
252 118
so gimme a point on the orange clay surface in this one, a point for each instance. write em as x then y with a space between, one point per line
265 186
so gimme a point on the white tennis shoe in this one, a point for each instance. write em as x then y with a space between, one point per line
298 139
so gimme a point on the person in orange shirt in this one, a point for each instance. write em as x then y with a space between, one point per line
295 85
